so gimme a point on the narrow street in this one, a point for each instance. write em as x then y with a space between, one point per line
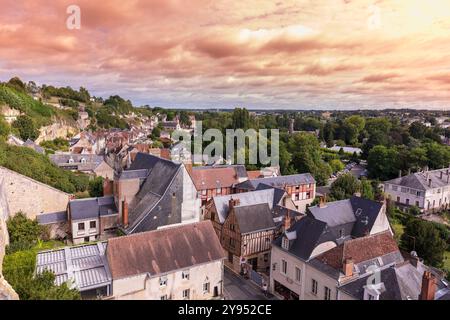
238 288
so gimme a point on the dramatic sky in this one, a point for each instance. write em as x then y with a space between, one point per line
336 54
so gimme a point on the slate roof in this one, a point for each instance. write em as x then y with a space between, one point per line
53 217
279 182
246 198
161 173
91 208
310 233
162 251
419 180
254 218
356 215
401 281
92 161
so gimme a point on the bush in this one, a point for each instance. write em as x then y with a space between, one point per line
23 232
18 270
96 187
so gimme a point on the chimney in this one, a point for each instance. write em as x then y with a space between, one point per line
441 173
233 203
399 173
323 201
429 182
107 187
428 286
348 267
409 171
125 212
287 221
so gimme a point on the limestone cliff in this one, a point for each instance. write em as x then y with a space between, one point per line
59 129
6 292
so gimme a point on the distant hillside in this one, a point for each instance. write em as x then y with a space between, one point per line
39 112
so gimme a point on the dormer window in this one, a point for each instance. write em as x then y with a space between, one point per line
70 160
341 233
83 160
285 243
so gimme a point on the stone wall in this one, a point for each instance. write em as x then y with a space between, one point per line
6 292
30 196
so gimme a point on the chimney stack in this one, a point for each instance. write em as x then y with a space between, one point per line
429 182
125 212
323 201
441 173
399 173
107 187
287 221
233 203
348 267
428 286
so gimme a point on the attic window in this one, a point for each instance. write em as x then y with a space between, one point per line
70 160
83 160
285 243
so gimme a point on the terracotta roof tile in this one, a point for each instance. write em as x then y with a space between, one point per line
212 178
360 249
162 251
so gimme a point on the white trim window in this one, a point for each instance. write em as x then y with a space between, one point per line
185 275
163 281
327 295
298 274
186 294
284 266
314 286
206 287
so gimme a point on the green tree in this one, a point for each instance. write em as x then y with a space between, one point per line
96 187
344 187
423 237
27 130
383 163
336 165
367 189
23 232
4 128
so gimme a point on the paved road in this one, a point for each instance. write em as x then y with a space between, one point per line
238 288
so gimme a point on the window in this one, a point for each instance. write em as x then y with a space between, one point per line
206 287
81 226
314 287
86 239
230 257
341 233
186 294
285 243
327 295
297 197
185 275
398 199
163 281
370 297
93 224
232 228
204 192
395 188
83 160
266 257
283 266
407 202
417 203
164 297
298 274
219 190
232 242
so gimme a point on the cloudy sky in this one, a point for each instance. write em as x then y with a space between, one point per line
321 54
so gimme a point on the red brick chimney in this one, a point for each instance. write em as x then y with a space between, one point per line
125 212
287 221
107 187
322 202
428 286
233 203
348 267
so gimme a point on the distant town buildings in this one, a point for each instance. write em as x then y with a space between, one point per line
428 190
